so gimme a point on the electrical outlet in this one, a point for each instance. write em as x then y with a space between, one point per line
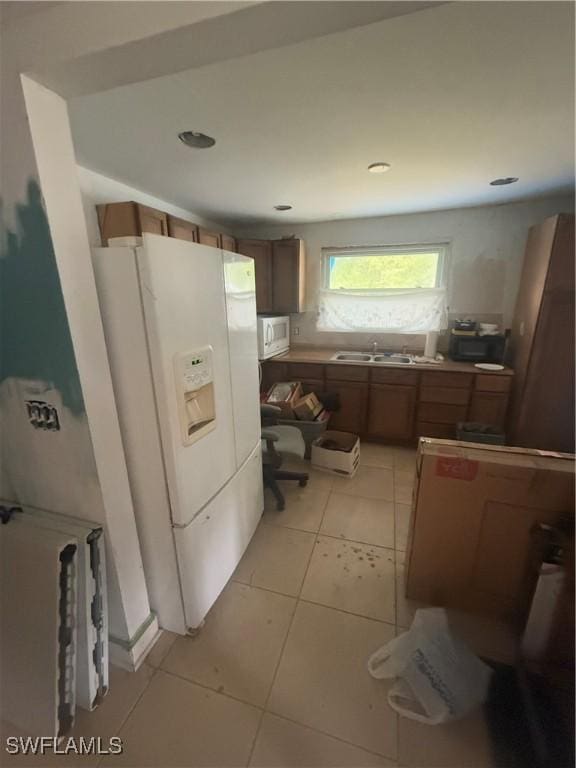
42 415
295 330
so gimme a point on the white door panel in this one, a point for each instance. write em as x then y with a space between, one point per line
211 546
184 305
243 346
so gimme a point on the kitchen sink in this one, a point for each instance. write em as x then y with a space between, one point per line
353 357
395 359
388 358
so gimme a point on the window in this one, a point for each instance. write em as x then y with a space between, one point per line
384 268
394 289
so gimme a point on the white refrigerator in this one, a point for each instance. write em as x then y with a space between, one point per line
180 325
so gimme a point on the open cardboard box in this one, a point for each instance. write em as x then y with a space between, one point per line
470 532
283 395
336 452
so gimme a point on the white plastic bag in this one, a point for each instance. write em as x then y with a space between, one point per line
439 678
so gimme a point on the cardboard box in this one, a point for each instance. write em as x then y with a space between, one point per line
470 532
336 452
308 407
284 394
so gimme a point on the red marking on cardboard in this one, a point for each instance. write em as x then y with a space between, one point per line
457 469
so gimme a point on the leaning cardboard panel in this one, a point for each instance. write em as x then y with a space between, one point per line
473 510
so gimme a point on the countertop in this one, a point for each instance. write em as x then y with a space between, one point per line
324 356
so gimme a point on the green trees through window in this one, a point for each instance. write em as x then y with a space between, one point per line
379 271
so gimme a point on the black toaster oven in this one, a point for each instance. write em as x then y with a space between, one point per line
477 349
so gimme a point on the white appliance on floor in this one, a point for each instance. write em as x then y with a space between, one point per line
180 325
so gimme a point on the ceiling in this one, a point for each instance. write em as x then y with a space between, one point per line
452 97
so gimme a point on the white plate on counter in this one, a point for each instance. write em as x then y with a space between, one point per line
489 366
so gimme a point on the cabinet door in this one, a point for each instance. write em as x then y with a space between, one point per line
152 220
118 220
228 243
489 408
353 405
182 229
261 252
391 411
288 276
271 373
205 237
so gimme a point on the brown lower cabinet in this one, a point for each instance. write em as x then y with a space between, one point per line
399 405
489 408
353 398
391 409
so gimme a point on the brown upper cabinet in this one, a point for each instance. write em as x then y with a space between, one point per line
130 220
288 264
279 267
261 252
182 229
206 237
228 243
542 340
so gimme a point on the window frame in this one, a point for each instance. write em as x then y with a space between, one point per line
443 249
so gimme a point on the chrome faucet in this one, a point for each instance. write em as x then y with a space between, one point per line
374 347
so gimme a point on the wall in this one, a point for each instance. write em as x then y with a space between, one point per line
487 249
52 342
96 189
55 470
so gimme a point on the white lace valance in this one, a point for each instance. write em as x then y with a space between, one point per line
393 311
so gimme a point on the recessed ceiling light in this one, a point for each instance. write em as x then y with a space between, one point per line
196 139
282 207
504 181
379 167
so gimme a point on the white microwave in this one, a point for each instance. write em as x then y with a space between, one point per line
273 336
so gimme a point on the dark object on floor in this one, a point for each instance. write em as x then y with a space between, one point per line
474 432
279 440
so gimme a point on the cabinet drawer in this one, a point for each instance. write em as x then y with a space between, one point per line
486 383
312 385
443 431
441 413
449 395
393 376
445 379
489 408
305 371
347 372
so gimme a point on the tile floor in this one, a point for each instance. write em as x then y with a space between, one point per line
277 676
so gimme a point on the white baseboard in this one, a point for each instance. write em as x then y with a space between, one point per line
129 654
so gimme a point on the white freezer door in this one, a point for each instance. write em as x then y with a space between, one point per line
243 344
182 287
210 548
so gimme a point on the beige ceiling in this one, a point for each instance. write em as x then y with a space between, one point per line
452 96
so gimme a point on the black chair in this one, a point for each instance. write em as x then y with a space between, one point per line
279 441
